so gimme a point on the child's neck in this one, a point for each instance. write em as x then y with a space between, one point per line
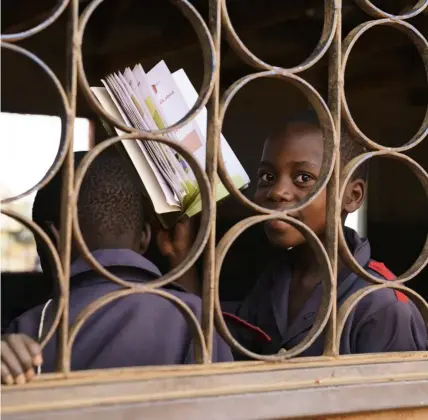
305 268
304 278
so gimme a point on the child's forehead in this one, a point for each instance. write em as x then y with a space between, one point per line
296 137
296 130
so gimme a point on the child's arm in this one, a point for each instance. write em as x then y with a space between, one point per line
19 355
175 245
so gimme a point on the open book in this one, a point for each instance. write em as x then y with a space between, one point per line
156 100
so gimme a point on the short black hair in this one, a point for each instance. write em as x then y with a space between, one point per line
47 203
110 199
349 147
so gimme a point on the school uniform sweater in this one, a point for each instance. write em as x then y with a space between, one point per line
383 321
135 330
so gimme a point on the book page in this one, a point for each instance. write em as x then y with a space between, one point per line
173 107
152 104
137 155
129 103
135 87
127 108
233 166
156 154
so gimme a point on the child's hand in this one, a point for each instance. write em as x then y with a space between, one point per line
175 243
19 355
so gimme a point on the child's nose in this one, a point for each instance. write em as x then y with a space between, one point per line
282 192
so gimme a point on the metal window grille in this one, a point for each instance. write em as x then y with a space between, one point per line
330 319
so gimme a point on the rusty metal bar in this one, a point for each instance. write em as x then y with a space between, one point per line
333 204
213 143
65 126
64 357
54 14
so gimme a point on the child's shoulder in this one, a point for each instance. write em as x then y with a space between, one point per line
381 271
386 319
383 299
166 297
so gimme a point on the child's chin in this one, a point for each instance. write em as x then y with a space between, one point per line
288 239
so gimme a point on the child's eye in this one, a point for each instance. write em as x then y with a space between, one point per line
304 178
266 177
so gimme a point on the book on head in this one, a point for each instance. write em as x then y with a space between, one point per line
157 100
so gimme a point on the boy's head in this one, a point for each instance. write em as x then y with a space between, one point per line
290 165
110 207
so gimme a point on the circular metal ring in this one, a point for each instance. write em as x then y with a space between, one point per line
201 354
327 285
210 66
352 301
54 260
53 16
345 253
327 127
375 12
329 27
207 210
65 128
421 44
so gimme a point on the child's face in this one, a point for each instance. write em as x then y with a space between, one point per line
290 165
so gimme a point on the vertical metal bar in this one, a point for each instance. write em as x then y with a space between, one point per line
333 203
63 360
213 135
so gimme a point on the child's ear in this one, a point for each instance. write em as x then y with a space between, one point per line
146 236
354 195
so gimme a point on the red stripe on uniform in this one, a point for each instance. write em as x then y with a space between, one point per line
381 269
246 324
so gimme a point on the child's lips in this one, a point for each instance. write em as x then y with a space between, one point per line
278 225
